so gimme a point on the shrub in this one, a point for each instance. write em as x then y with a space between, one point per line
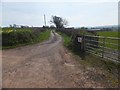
20 36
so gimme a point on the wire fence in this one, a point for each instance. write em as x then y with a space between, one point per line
104 47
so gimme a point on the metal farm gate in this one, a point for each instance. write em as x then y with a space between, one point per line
104 47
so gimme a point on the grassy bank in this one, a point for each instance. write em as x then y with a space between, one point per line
66 39
21 38
109 68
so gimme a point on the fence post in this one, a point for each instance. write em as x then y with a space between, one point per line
103 49
83 46
84 42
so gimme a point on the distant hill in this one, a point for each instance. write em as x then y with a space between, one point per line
110 27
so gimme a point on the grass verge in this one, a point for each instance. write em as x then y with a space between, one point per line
108 67
66 39
43 36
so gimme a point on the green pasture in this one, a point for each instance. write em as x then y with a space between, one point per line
108 33
110 43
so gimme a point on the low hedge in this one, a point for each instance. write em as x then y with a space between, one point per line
14 38
20 37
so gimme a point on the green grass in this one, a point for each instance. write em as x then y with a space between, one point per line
66 39
109 34
43 36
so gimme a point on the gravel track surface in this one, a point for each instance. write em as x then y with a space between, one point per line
47 65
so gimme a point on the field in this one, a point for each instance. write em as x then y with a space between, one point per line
109 42
13 37
108 33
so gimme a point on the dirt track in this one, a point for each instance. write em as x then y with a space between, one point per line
44 65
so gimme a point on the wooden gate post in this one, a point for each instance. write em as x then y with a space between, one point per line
80 44
103 48
83 47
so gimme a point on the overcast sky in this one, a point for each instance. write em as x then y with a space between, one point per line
76 13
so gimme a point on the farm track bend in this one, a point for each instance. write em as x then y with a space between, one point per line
46 65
